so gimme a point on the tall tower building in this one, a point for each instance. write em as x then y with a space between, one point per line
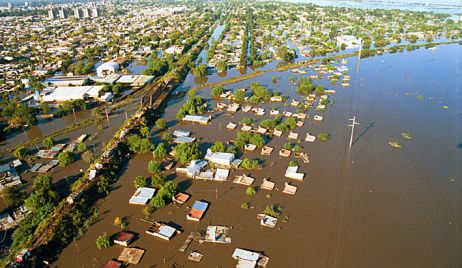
51 14
62 14
95 12
77 13
86 12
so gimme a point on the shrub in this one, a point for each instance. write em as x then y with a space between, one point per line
21 152
272 211
140 181
103 241
81 147
185 152
250 164
66 158
239 95
245 205
247 121
48 142
160 151
218 147
324 136
13 196
287 146
293 164
157 181
154 166
250 191
216 91
161 124
138 144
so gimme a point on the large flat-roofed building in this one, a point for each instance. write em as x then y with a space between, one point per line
62 94
80 80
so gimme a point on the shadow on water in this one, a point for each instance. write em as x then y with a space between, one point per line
459 145
371 125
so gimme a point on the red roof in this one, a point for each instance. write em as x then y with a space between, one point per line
124 236
112 264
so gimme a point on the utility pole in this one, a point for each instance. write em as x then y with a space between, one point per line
107 114
75 118
353 123
359 55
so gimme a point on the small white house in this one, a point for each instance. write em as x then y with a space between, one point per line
224 159
107 68
142 196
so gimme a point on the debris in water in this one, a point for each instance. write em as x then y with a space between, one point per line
406 135
395 144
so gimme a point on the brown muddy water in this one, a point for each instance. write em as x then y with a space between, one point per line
64 176
369 206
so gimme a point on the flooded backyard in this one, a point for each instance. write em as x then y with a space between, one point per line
369 206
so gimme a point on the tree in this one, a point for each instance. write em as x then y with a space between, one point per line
138 144
48 142
218 147
13 196
160 151
21 152
145 131
157 181
154 167
161 124
66 158
250 164
81 147
239 95
250 191
185 152
103 241
25 114
221 65
141 181
200 70
117 221
157 202
216 92
285 54
43 193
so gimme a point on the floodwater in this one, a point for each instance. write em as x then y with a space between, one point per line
65 176
369 206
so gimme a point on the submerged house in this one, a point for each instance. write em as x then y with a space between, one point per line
248 259
162 231
222 159
292 173
197 211
217 234
142 196
201 119
193 169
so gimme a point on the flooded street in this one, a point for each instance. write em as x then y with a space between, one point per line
369 206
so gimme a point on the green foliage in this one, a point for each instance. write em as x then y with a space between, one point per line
144 131
244 138
48 142
285 54
21 152
161 124
297 148
200 70
305 86
259 93
239 95
66 158
13 196
293 164
43 193
274 79
273 211
221 65
141 181
218 147
194 105
245 205
157 181
103 241
138 144
247 121
160 151
156 66
185 152
320 90
154 167
248 163
157 202
324 136
287 146
216 91
250 191
164 196
81 147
